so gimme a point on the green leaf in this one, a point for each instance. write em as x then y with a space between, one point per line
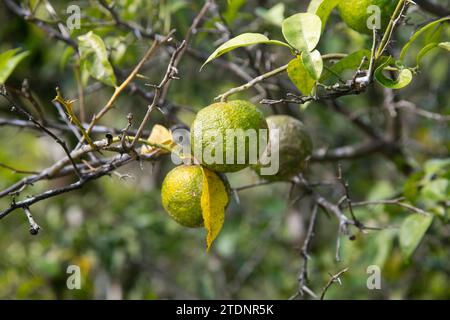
418 33
444 45
436 166
300 76
302 31
322 8
350 62
65 56
412 231
242 40
412 186
214 200
313 63
233 9
403 79
274 15
433 35
9 61
424 51
428 48
437 190
94 58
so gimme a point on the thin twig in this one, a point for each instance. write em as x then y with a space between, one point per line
334 279
61 142
347 194
253 185
118 90
15 170
169 75
397 201
303 276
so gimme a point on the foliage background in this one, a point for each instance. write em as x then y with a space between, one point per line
117 231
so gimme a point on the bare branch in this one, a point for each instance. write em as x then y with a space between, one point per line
334 279
398 201
15 170
303 277
61 142
354 151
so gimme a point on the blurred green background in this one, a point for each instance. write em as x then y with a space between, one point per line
125 244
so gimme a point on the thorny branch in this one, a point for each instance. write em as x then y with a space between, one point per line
62 143
336 278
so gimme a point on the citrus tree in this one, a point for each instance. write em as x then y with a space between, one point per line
349 100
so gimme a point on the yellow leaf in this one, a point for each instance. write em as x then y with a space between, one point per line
214 200
159 135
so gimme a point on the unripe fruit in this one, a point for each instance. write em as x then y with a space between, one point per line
356 13
294 143
210 135
181 194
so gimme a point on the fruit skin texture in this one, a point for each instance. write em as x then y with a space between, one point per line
181 194
354 13
295 145
217 118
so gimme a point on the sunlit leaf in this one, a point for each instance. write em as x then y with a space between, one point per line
9 61
435 166
322 8
350 62
242 40
300 76
313 63
437 190
214 200
444 45
412 231
94 58
159 135
302 31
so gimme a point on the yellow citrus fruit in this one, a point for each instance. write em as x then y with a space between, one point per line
294 146
356 13
210 135
181 194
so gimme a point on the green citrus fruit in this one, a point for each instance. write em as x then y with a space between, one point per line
181 194
219 135
294 143
355 13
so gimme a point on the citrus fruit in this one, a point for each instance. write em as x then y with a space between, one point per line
181 194
355 13
294 143
225 136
